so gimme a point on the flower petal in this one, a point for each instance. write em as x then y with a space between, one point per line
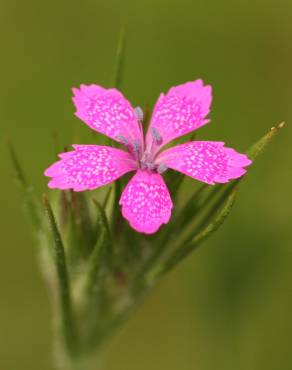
206 161
108 112
89 167
182 110
146 202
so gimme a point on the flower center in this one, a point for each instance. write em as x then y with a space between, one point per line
147 160
145 156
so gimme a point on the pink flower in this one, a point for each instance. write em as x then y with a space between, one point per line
146 202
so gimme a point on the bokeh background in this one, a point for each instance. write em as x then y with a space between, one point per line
230 305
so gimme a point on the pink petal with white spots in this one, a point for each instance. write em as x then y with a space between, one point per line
182 110
89 167
206 161
107 111
146 202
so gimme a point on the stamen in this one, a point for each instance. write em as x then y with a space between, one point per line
150 166
140 117
157 138
139 114
122 139
143 164
161 168
147 164
136 146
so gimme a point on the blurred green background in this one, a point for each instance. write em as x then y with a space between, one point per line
230 305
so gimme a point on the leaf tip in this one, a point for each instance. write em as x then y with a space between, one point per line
281 125
278 127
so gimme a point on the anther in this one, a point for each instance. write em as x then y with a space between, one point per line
157 138
161 168
139 114
122 139
150 166
143 164
136 146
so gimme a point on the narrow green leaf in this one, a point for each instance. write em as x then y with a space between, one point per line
115 211
207 226
174 180
117 76
29 197
116 81
106 198
64 291
102 218
105 234
97 265
211 212
187 249
252 153
80 229
192 208
260 145
197 202
94 295
84 223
